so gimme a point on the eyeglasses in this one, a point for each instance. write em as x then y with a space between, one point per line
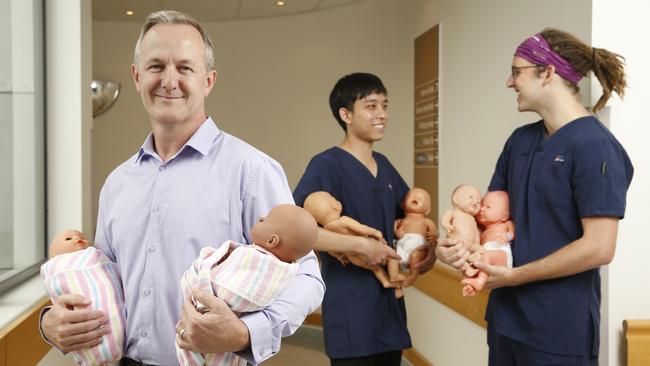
515 69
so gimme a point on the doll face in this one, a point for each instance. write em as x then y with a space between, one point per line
417 201
67 242
494 208
468 199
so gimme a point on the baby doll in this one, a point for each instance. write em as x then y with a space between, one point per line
412 232
75 267
460 224
249 277
498 231
327 212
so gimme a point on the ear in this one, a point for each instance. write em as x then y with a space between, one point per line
211 79
136 77
548 74
273 241
344 113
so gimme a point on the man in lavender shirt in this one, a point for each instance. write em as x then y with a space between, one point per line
190 185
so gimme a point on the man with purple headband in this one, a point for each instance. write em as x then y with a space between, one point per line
567 178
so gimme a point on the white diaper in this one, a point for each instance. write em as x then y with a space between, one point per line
495 245
406 245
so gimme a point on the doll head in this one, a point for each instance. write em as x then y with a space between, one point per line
417 201
495 207
288 231
323 207
67 242
467 198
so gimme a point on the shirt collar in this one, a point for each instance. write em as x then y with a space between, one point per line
200 141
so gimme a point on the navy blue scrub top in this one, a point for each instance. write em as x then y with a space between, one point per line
360 317
579 171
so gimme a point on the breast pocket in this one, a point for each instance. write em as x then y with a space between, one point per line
553 183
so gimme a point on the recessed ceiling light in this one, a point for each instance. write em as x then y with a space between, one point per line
279 3
129 12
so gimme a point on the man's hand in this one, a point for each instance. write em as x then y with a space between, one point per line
427 263
71 325
374 252
217 330
452 252
498 276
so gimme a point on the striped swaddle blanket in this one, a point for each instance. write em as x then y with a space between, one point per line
91 274
248 279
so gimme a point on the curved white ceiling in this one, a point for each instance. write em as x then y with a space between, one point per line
208 10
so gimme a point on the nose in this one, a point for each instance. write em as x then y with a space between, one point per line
170 79
510 83
382 113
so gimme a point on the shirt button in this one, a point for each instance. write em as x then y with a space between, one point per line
147 292
155 208
162 168
143 334
152 249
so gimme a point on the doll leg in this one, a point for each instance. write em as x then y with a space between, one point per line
382 276
474 284
394 272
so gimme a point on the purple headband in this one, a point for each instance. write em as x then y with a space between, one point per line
537 50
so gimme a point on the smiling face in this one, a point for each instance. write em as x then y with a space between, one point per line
171 75
368 118
526 82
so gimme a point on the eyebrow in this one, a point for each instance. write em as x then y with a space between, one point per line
374 100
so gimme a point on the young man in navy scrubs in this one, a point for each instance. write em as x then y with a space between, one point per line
363 322
567 177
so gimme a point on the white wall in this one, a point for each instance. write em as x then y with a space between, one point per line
622 28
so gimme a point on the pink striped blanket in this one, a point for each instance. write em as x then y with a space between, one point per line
91 274
248 279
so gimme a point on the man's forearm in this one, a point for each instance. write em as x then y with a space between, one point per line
329 241
594 249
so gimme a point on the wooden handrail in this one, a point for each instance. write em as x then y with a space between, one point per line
637 336
442 284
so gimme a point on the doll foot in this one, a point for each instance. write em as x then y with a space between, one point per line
399 293
468 291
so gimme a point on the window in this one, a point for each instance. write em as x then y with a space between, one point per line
22 140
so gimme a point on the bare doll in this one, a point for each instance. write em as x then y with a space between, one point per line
412 233
460 224
327 212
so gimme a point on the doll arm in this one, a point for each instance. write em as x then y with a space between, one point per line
397 229
358 228
432 231
511 230
446 221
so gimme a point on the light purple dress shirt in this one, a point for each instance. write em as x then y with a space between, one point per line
155 217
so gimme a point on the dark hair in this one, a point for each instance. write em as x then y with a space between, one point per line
351 88
608 67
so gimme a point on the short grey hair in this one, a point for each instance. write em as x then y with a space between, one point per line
175 17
